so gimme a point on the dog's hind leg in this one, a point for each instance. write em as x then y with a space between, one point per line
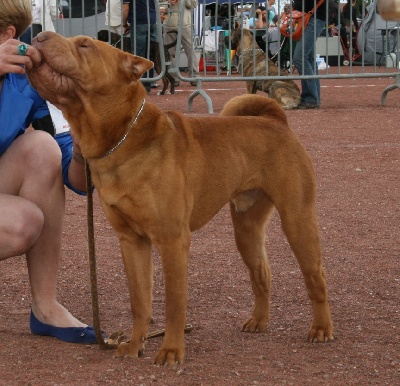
300 226
294 198
250 216
136 253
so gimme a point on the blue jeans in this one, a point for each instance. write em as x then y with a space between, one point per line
144 33
310 88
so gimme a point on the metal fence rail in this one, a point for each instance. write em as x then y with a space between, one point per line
371 52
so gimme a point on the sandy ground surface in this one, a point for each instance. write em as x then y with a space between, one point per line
355 146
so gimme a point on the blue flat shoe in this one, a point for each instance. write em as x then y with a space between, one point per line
84 335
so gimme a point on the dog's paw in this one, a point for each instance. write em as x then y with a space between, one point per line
170 357
254 325
320 334
128 350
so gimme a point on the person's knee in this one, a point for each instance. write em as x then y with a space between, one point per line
25 229
43 154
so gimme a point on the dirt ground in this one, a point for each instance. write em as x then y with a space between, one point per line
355 145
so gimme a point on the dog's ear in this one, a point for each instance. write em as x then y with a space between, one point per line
137 65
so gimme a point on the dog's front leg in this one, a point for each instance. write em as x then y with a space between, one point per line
136 253
174 255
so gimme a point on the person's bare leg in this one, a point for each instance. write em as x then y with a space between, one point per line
31 188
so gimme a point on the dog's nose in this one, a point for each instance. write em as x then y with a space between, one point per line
41 37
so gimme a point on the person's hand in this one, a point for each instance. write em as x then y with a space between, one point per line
127 29
12 62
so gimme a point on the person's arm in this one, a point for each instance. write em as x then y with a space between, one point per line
73 164
77 169
53 9
189 4
125 15
354 17
259 20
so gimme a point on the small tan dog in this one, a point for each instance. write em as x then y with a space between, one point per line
256 63
161 175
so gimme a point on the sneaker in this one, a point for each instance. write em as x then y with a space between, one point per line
154 85
306 106
177 82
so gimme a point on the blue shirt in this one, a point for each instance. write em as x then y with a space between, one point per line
20 105
142 14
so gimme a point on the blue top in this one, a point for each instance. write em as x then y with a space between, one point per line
271 14
142 14
20 105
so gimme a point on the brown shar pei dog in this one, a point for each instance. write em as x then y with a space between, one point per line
257 63
161 175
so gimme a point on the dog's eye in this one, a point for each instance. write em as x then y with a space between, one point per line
84 44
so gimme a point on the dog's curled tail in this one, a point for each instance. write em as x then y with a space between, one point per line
254 105
173 44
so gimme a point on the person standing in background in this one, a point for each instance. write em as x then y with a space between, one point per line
113 16
304 53
140 17
261 20
44 13
350 22
172 24
350 15
163 14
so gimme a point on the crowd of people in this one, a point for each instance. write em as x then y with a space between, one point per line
265 19
138 19
171 23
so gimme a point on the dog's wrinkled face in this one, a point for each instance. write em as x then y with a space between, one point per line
74 67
